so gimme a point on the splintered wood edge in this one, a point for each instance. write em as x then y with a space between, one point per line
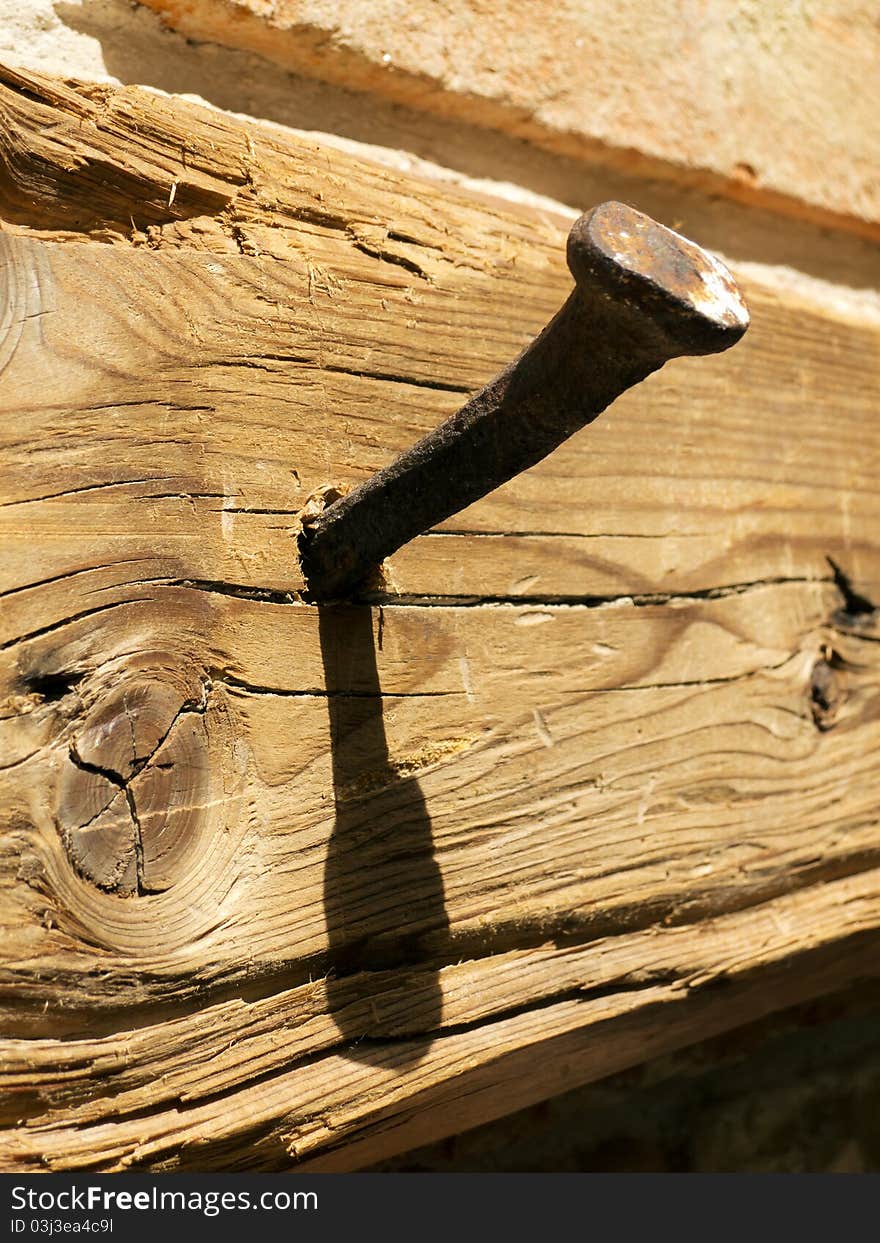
598 1011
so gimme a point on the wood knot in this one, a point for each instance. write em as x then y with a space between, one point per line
827 689
131 795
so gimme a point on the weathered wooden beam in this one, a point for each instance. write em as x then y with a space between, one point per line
284 884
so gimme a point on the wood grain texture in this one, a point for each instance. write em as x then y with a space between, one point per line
591 778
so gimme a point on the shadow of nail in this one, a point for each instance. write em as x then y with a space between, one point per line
383 892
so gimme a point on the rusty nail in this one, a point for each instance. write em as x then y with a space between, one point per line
642 296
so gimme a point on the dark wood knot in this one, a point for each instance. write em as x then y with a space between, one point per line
133 792
827 690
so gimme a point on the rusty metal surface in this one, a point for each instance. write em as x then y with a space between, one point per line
643 295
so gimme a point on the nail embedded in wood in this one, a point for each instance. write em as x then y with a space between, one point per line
643 295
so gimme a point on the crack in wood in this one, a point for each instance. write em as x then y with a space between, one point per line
89 487
67 621
228 679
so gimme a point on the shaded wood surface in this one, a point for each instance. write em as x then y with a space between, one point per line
592 778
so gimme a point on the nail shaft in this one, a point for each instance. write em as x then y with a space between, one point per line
642 296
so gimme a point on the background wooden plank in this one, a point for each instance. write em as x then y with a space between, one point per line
770 104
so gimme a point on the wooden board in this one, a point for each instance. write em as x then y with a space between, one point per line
593 778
